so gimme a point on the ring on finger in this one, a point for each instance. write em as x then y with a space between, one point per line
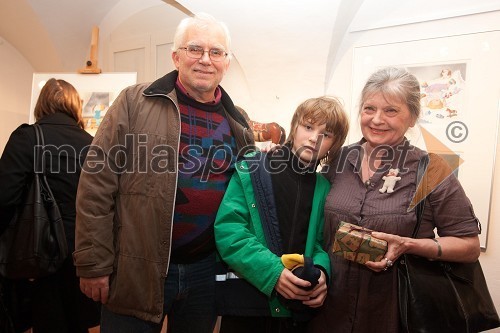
389 262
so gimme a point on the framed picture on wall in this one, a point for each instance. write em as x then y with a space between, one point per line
98 91
459 87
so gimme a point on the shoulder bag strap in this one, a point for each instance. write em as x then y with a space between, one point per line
39 165
40 158
422 181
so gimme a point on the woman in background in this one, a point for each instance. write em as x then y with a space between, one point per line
53 304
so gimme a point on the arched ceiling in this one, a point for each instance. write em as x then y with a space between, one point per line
20 25
55 36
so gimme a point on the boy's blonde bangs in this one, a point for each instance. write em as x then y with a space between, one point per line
326 110
319 111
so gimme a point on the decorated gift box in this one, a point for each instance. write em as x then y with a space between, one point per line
356 243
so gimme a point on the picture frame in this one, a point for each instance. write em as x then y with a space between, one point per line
459 120
98 91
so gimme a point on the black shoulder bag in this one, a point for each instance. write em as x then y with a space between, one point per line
440 296
34 243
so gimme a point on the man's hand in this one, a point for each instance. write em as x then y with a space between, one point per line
96 288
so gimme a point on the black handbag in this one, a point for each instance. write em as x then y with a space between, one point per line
440 296
34 243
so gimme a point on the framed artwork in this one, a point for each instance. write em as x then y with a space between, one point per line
98 91
460 91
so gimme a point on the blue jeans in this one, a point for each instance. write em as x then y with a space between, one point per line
189 303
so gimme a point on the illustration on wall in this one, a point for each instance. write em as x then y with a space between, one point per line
97 91
443 101
95 105
443 90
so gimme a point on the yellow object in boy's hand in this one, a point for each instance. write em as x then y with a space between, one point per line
292 260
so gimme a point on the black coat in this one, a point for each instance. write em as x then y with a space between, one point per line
53 303
67 144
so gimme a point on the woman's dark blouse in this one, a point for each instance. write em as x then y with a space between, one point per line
360 300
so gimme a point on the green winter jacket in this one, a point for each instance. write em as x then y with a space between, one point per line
241 241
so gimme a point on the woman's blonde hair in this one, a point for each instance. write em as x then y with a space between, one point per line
59 96
322 110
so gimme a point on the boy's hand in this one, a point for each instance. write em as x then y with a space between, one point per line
291 287
318 294
270 147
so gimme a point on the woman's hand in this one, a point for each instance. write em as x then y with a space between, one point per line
396 246
449 248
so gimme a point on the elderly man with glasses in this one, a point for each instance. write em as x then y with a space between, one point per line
151 186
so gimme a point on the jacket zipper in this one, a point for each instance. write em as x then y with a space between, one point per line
176 180
176 174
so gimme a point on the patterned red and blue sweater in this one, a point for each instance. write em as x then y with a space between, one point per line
207 154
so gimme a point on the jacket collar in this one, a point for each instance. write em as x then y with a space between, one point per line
162 86
166 84
58 118
284 155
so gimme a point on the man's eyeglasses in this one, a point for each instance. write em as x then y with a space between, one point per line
196 52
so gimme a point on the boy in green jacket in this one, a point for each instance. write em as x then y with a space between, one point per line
270 222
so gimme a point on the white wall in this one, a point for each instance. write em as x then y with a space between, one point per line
15 90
